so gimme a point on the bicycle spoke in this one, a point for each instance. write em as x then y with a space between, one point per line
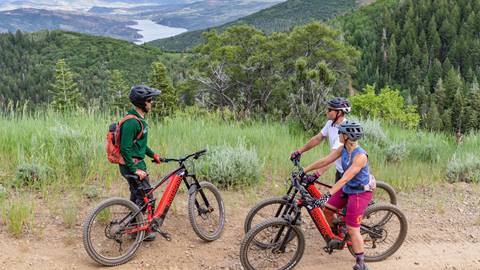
379 236
208 216
277 251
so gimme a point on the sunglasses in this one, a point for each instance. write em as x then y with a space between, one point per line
330 109
149 100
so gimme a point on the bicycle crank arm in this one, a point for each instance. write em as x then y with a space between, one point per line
164 234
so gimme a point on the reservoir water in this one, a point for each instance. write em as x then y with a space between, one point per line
151 30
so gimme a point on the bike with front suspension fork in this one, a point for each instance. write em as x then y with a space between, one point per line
279 243
115 229
277 206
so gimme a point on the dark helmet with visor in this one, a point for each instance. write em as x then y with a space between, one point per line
140 93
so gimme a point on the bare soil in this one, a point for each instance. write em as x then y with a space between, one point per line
444 233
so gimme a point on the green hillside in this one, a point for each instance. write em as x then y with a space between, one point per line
429 49
281 17
27 62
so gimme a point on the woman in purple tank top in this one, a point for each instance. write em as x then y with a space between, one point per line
349 191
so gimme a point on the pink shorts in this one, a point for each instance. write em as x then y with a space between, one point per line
356 205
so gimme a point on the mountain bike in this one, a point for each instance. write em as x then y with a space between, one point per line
115 229
276 206
279 243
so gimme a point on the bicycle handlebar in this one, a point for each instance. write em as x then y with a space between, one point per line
295 183
195 155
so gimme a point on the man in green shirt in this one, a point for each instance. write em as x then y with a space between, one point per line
133 147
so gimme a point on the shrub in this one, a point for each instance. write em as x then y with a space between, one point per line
20 216
29 174
91 192
3 192
69 215
230 167
373 130
389 106
425 152
463 169
396 152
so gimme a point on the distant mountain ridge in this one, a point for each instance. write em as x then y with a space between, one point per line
280 17
32 20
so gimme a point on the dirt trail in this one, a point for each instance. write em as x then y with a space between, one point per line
444 233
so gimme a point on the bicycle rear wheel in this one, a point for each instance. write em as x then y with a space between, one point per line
207 212
286 244
384 193
106 236
382 237
265 209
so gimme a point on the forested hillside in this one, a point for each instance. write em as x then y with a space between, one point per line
429 49
281 17
27 63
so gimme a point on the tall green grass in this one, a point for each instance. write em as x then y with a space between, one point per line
70 148
61 157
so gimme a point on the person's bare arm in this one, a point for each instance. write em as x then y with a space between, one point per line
314 141
324 162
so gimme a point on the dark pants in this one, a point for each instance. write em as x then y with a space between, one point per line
338 176
137 188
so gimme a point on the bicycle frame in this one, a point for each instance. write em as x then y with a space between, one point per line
174 179
317 215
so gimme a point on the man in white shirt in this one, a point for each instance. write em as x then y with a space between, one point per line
336 111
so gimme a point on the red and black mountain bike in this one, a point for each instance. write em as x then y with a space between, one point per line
279 243
114 230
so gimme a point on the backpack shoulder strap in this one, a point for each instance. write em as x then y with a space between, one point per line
131 116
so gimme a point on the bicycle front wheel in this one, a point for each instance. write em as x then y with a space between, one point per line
207 212
286 244
107 236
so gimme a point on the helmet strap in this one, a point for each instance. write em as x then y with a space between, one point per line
336 117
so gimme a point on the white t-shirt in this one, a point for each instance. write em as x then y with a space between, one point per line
332 133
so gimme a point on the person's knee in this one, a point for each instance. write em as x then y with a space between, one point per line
353 230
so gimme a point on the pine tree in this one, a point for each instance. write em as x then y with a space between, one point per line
167 102
446 66
457 111
472 107
432 120
433 38
452 83
422 101
440 95
64 91
446 117
392 57
435 72
117 91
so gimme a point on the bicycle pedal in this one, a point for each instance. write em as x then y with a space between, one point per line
164 234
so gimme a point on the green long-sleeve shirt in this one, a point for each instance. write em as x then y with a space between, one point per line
138 149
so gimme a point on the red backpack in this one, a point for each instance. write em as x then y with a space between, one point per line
113 140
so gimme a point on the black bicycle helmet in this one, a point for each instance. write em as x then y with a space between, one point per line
140 93
353 130
340 104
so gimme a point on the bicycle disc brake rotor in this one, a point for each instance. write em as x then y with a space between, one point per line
378 235
114 230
